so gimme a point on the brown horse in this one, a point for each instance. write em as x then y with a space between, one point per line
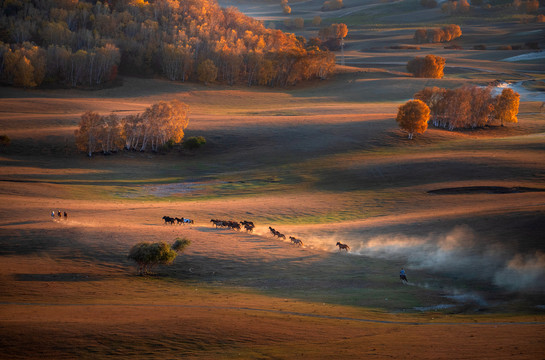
296 241
343 246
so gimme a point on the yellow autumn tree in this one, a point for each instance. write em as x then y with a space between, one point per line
207 71
430 66
507 106
87 136
413 117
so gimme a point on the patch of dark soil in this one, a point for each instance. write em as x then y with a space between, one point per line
484 190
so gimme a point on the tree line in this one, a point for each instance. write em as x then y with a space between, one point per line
88 42
462 108
159 125
469 106
435 35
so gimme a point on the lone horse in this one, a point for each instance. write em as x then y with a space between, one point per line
343 246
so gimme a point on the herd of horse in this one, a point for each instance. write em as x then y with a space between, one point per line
248 226
177 220
235 225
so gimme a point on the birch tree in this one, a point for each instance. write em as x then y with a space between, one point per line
87 136
507 106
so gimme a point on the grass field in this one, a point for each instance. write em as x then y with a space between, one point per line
463 212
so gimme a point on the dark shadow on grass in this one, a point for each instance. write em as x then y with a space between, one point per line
69 277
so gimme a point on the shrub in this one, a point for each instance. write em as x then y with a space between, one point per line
194 142
180 244
148 255
4 140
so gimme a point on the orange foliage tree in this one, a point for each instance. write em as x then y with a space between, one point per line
87 136
430 66
443 34
168 37
413 117
507 106
469 106
160 124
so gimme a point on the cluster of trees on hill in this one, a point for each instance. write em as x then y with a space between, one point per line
331 36
455 7
160 124
462 108
430 66
330 5
444 34
527 6
469 106
88 42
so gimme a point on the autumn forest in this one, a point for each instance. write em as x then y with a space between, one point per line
85 44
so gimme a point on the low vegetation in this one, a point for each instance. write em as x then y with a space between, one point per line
148 255
194 142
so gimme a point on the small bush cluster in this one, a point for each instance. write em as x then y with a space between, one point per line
194 142
148 255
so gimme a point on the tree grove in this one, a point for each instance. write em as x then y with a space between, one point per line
469 106
86 43
159 124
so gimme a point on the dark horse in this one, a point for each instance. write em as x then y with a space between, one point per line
343 246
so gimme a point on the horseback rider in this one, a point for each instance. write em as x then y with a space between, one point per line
403 276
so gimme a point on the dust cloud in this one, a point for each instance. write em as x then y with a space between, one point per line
458 253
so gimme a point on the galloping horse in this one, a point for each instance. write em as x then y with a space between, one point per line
296 241
343 246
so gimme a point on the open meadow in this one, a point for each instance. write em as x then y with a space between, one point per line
463 212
